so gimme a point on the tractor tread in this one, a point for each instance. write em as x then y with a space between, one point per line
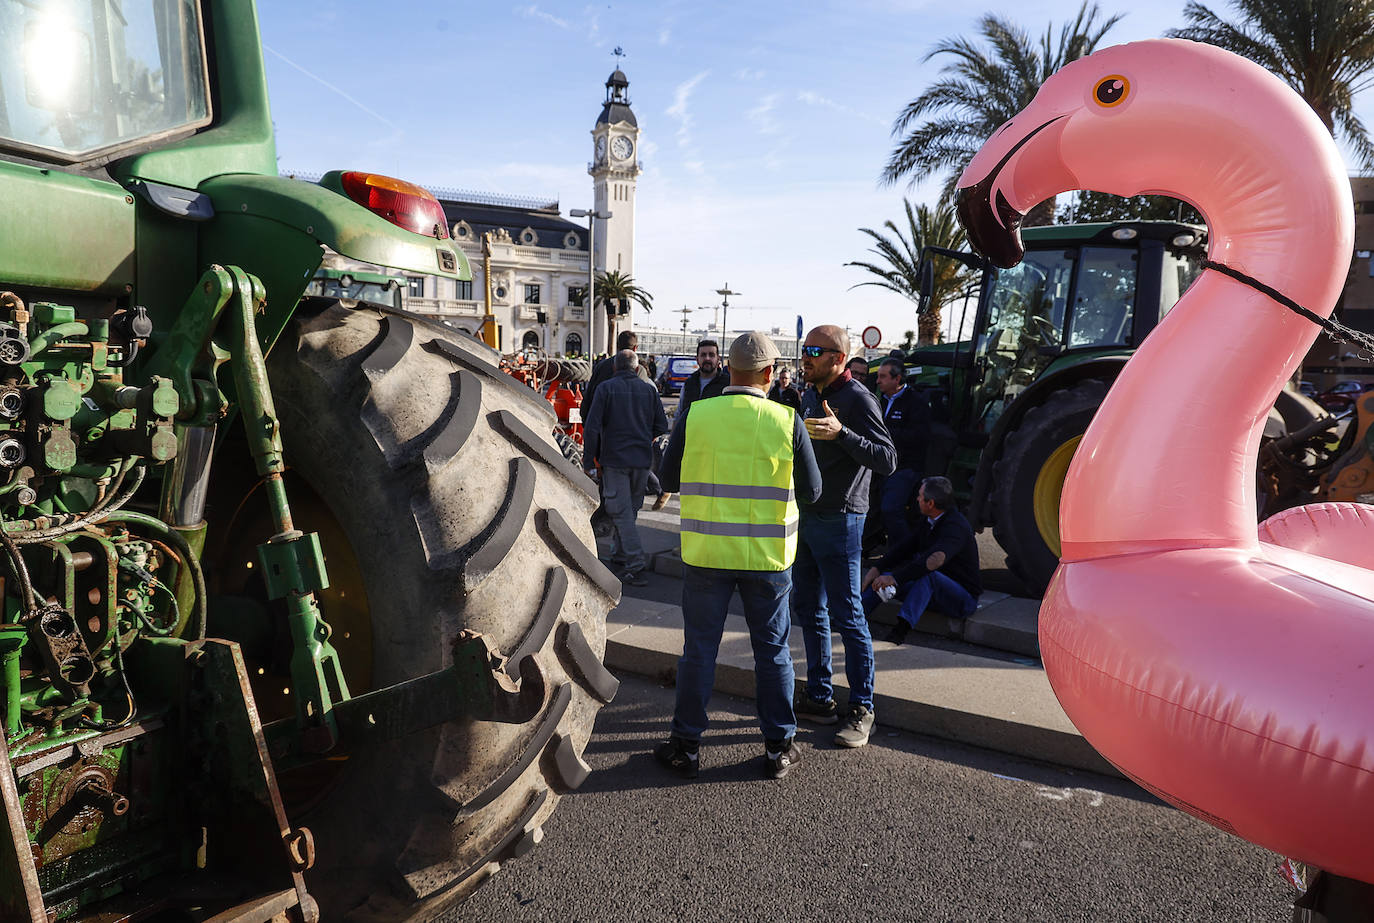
552 524
524 437
527 396
486 552
555 590
543 732
571 769
458 424
585 664
396 338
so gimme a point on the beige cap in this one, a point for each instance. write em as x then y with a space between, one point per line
753 351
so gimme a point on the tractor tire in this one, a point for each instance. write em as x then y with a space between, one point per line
1029 477
570 447
464 516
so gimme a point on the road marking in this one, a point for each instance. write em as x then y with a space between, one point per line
1094 798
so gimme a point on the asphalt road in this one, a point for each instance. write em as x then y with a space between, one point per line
907 828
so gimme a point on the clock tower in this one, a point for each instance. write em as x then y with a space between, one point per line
614 169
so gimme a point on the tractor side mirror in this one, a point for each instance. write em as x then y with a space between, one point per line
925 284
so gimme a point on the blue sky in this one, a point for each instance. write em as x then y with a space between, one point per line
764 125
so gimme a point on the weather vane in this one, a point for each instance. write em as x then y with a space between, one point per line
619 53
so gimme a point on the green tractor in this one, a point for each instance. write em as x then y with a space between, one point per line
302 614
1048 338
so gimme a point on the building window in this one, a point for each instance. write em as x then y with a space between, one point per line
572 346
530 340
415 286
463 289
528 237
571 241
577 296
531 294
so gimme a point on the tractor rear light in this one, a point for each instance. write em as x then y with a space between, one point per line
404 204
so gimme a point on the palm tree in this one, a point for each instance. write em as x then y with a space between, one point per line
900 272
982 90
613 288
1323 49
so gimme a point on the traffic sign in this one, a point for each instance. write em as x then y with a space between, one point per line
872 337
799 327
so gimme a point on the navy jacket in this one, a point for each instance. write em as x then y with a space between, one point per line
951 534
618 429
806 477
693 391
601 373
908 421
864 446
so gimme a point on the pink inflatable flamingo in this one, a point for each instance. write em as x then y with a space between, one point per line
1232 675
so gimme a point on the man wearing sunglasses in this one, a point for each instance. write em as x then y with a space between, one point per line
850 443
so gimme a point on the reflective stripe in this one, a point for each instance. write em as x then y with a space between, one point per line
740 529
737 491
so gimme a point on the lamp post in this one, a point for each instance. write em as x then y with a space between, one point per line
591 217
725 294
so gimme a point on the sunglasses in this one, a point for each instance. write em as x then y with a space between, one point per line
815 352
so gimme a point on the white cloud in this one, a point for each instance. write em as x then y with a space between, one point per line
748 73
678 110
816 99
534 12
762 115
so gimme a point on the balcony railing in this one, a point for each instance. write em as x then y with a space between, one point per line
444 307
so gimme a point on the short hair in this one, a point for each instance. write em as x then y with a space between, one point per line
939 491
627 339
895 366
859 359
701 343
626 360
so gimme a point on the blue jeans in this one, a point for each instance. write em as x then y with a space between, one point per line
623 493
826 595
898 489
706 593
933 589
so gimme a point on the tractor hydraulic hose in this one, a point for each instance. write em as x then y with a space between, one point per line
94 517
21 572
175 539
55 334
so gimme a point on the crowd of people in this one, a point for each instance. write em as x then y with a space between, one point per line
777 483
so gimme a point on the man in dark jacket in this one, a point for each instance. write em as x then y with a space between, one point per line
708 380
906 414
850 443
605 368
783 391
619 429
937 565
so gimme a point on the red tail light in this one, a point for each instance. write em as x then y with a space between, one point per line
404 204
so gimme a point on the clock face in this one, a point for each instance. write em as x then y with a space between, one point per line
601 148
622 147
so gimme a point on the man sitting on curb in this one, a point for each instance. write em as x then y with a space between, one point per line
937 564
741 461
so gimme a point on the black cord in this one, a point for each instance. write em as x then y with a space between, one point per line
1334 329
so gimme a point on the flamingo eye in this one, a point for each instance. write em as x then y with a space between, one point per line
1110 91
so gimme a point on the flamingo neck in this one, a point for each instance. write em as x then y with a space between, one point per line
1169 460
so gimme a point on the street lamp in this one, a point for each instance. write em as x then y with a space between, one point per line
725 294
591 217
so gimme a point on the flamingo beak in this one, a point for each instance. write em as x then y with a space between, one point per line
992 223
995 232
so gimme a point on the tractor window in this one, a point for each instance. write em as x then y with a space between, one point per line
1028 302
1104 300
89 75
1180 272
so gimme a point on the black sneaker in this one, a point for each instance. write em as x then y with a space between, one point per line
635 578
858 725
777 764
898 633
680 756
816 712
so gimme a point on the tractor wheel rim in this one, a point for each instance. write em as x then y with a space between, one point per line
1049 486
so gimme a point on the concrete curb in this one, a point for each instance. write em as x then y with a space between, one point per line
1000 705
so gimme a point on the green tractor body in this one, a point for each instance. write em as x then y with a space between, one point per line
190 664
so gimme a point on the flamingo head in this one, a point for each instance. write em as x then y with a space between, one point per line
1161 116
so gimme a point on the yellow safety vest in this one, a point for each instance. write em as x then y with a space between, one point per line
739 509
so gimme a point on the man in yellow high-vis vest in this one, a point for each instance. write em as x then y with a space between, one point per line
740 461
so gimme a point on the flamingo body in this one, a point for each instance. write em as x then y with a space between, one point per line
1231 676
